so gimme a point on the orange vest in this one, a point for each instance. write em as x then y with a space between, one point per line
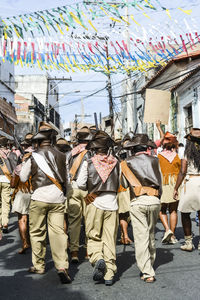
169 169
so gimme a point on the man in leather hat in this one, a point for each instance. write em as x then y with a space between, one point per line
100 175
64 146
142 174
8 161
76 204
47 166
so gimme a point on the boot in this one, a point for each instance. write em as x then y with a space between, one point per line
188 246
74 257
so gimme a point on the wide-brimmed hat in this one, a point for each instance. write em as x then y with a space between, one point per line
139 140
27 139
3 141
45 131
63 144
100 140
129 136
170 138
194 135
93 129
84 134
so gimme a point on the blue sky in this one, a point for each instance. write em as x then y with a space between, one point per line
85 81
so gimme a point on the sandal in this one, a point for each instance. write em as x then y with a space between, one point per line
149 279
24 249
125 241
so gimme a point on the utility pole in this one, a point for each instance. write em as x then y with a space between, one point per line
109 88
46 106
129 86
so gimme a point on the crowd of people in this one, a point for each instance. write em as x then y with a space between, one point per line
54 186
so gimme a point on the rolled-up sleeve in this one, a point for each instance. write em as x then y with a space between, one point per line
25 172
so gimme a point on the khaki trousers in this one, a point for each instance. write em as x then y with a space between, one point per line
5 198
41 215
76 210
144 219
101 231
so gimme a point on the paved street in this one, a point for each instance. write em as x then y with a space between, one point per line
177 274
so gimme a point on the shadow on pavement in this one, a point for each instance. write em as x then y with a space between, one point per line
125 260
163 256
23 287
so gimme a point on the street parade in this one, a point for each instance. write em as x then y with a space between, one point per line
99 191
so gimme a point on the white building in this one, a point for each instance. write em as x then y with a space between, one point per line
44 89
181 77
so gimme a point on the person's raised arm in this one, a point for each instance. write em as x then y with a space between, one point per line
158 125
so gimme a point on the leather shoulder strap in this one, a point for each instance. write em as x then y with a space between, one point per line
129 175
26 156
134 182
55 182
4 168
76 164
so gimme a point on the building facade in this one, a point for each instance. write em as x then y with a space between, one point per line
35 93
180 76
8 117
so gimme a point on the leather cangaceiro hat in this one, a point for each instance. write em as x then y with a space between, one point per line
46 131
194 135
63 145
170 138
139 140
27 139
3 141
100 140
84 135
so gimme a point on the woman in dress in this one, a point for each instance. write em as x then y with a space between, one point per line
190 194
170 165
22 196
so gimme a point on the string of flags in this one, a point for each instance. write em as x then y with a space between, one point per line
46 39
100 55
60 19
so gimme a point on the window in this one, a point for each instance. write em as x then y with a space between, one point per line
188 119
51 114
108 123
51 89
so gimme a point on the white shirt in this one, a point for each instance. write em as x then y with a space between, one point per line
4 179
49 194
106 200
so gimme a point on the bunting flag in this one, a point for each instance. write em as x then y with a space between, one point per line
104 55
59 20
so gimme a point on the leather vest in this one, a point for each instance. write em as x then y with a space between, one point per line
95 183
11 162
71 160
57 163
146 169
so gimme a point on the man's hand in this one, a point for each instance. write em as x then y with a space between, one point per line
175 196
158 124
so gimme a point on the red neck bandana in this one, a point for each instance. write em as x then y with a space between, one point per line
104 165
78 149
